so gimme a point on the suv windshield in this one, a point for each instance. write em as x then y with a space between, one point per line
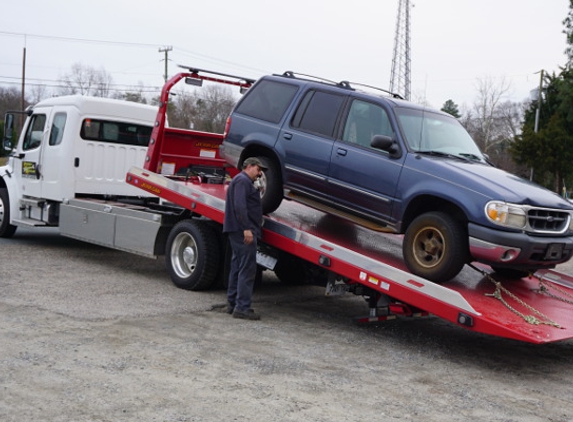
426 131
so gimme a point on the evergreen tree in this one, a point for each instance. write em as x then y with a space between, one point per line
452 108
568 31
549 151
546 146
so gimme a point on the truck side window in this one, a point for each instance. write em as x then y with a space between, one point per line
115 132
364 121
317 112
57 131
267 101
34 132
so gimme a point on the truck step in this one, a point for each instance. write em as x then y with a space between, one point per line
32 202
28 222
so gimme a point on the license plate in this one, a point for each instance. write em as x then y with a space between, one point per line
554 251
266 261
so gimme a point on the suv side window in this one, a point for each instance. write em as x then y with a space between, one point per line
267 100
317 113
364 121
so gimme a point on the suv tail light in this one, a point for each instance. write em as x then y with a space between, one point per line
227 126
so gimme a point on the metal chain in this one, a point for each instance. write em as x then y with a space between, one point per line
530 319
544 289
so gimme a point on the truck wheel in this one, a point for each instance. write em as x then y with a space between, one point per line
6 229
435 247
192 255
290 270
271 185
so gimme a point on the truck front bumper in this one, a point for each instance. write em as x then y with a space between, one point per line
518 250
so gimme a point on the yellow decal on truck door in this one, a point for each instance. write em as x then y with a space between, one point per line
28 169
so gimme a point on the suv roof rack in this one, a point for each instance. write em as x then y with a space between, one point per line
291 74
342 84
393 94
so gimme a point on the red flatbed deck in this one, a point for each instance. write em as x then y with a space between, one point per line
374 259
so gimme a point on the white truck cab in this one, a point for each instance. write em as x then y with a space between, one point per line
71 147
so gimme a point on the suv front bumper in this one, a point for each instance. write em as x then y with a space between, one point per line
518 250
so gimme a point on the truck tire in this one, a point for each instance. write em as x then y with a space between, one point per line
271 185
290 270
435 247
6 229
192 255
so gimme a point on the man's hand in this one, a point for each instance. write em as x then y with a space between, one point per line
248 237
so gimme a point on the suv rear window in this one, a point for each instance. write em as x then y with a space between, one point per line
317 112
267 100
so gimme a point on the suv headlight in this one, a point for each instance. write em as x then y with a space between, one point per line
507 215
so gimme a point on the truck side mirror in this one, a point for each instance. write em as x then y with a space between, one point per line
8 129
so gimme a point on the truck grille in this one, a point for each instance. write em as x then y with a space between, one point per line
548 221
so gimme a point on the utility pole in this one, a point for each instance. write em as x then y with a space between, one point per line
23 89
537 111
400 77
166 50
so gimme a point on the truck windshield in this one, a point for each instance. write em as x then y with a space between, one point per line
426 131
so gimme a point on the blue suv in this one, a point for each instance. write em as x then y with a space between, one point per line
386 163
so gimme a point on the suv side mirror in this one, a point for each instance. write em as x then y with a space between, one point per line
385 143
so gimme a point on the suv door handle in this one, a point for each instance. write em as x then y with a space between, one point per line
341 151
287 136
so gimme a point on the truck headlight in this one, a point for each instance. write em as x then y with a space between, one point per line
504 214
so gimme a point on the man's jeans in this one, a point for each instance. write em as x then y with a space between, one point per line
242 272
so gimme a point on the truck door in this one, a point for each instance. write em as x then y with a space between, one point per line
362 178
42 160
54 162
32 148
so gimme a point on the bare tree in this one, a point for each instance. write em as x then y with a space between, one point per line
135 94
205 109
486 113
181 110
86 80
38 93
9 100
213 105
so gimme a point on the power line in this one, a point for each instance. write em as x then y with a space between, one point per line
84 40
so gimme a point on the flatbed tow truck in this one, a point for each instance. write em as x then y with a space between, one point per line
183 168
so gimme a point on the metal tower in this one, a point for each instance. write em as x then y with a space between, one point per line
400 76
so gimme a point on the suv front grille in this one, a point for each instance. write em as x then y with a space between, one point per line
547 221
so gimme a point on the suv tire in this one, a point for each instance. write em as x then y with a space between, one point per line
271 185
435 247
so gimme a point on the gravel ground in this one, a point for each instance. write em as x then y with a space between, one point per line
91 334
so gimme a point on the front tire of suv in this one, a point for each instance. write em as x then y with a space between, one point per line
271 185
435 247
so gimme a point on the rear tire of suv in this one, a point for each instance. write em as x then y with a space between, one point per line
435 247
272 185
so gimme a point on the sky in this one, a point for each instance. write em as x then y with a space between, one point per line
455 44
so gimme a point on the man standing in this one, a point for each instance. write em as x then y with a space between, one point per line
242 223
